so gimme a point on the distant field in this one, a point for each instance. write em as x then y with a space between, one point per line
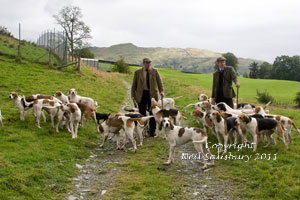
283 91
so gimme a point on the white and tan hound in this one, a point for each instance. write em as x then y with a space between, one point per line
80 99
75 117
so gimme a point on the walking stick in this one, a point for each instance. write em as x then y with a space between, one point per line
162 102
237 97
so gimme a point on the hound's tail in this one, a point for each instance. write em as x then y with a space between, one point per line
267 105
294 125
201 141
177 97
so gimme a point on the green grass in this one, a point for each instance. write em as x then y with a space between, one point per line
256 179
39 163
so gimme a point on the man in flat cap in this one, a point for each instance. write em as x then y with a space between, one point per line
146 84
223 77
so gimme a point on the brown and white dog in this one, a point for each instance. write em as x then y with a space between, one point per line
61 96
80 99
224 128
39 105
256 126
158 113
87 112
115 124
204 119
75 117
286 122
177 136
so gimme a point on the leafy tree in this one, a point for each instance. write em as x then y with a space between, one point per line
121 66
69 18
231 60
85 53
286 68
265 70
254 70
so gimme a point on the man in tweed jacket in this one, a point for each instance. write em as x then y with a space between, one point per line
146 85
223 77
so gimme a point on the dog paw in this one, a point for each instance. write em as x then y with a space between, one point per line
204 167
167 163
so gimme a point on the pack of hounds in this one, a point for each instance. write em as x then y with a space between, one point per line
223 121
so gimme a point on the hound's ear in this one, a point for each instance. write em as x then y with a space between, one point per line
171 125
218 117
73 108
160 126
247 119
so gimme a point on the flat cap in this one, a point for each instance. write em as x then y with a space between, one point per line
147 60
221 59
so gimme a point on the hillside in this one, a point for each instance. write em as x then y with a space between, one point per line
187 60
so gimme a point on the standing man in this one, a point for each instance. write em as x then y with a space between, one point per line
223 77
146 84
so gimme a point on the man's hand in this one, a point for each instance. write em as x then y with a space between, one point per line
162 94
237 85
133 99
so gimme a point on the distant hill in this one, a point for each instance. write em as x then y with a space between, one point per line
187 60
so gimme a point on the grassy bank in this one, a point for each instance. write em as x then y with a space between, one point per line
39 163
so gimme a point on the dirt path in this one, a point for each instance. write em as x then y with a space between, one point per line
98 175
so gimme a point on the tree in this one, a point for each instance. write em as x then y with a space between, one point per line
265 70
254 69
85 53
231 60
286 68
69 18
4 31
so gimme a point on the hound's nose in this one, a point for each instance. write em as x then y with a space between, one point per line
167 124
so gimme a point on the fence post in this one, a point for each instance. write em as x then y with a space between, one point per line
19 47
78 68
50 44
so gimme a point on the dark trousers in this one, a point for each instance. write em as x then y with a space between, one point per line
229 102
144 105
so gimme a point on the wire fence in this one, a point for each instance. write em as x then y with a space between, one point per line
55 42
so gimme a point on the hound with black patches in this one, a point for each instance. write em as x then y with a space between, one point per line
20 104
225 108
80 99
75 117
256 126
286 122
174 114
115 124
225 128
177 136
87 112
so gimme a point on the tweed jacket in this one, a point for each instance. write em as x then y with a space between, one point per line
229 76
138 84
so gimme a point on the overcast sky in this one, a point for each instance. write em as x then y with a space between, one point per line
259 29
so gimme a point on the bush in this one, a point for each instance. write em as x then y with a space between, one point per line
297 99
264 97
121 66
245 75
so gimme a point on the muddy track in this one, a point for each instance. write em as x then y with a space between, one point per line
98 174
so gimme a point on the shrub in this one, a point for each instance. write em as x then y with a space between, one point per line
264 97
11 46
121 66
297 99
245 75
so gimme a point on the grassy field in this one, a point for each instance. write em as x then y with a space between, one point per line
262 177
39 163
